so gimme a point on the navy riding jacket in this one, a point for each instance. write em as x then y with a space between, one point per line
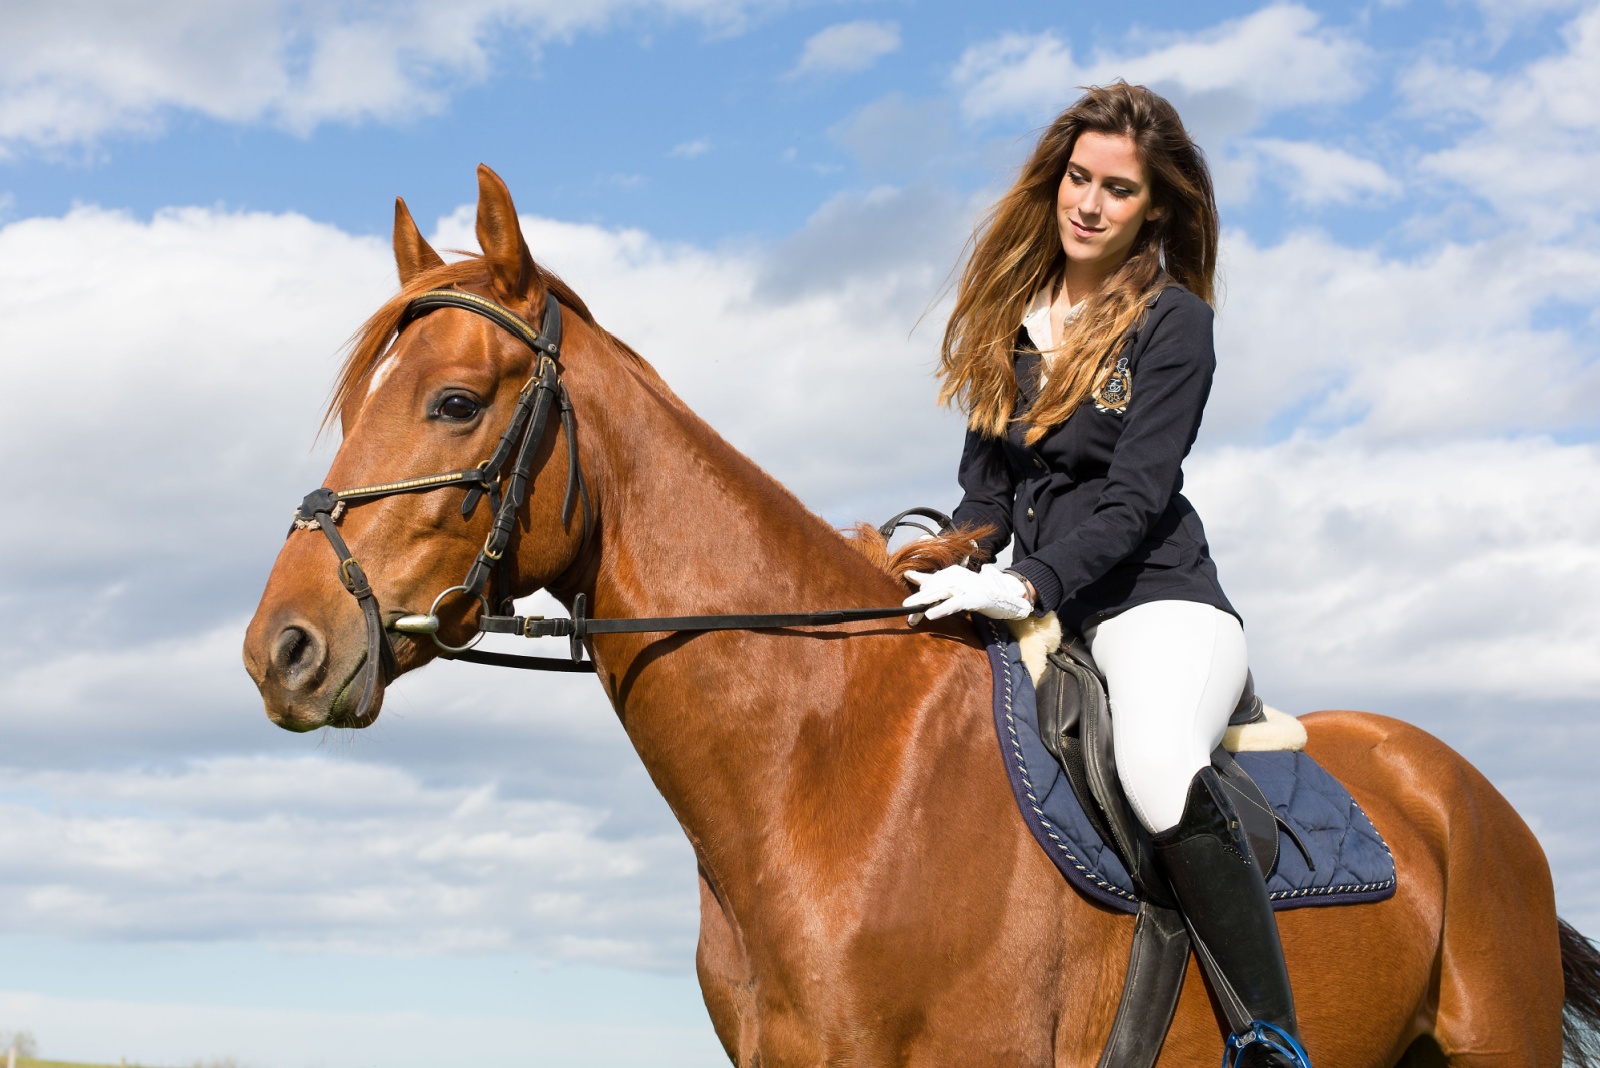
1095 505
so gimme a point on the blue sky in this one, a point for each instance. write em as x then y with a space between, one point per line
704 130
1398 468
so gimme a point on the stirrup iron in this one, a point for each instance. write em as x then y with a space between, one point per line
1262 1033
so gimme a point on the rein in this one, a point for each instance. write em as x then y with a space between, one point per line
505 482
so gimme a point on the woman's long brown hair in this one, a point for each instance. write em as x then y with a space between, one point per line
1016 250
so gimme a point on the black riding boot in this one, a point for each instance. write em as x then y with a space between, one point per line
1223 894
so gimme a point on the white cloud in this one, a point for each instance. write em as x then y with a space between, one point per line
1534 148
847 47
1462 568
335 854
691 149
895 135
1502 18
1457 342
73 71
1319 174
195 384
1278 57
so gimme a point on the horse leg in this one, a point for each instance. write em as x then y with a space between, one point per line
1462 967
725 981
1498 980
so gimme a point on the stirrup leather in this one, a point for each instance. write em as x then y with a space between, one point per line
1262 1033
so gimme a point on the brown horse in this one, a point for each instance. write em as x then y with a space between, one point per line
869 894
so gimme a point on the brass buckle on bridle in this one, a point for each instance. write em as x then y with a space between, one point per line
353 576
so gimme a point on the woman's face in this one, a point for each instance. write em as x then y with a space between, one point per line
1103 200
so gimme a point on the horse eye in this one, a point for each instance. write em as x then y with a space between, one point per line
458 406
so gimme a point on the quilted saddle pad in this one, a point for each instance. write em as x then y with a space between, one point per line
1350 862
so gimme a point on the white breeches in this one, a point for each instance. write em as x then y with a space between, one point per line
1174 672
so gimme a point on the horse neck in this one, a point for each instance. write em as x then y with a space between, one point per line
689 526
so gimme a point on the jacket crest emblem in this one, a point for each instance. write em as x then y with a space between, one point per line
1116 391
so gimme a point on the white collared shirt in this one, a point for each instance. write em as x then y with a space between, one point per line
1041 330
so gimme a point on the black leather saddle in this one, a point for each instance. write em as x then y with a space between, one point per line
1075 726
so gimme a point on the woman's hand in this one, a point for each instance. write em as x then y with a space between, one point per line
988 591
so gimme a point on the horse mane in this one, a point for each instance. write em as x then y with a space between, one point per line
370 343
924 554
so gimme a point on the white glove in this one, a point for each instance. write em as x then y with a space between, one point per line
990 592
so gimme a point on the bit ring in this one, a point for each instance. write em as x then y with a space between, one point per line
434 612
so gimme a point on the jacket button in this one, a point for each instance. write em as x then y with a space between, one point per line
1030 513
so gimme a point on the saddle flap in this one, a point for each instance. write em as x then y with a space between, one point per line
1075 726
1129 836
1060 695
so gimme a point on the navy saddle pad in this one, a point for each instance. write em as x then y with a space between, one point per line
1352 862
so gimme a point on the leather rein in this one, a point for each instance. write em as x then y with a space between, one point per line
504 479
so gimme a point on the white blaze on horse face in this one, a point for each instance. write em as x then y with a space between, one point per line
379 373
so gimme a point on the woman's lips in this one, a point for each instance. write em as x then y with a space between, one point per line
1084 231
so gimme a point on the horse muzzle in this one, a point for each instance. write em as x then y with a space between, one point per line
309 678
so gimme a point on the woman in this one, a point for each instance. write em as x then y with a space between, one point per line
1080 348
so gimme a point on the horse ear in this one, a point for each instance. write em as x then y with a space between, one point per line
412 254
511 269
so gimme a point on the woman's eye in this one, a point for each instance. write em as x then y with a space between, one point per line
458 406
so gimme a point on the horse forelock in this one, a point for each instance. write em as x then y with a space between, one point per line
369 348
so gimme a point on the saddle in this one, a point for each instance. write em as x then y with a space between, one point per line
1075 726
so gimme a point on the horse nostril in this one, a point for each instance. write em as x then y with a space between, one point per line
298 656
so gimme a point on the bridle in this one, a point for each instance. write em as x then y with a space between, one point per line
505 478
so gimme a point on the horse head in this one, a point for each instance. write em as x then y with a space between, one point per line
427 390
